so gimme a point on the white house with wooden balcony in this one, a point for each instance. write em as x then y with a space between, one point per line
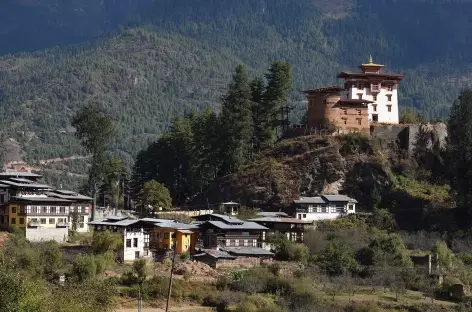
324 207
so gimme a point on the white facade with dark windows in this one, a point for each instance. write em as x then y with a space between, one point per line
324 207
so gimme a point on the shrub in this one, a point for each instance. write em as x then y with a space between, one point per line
84 267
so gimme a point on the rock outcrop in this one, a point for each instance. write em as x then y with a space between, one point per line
306 166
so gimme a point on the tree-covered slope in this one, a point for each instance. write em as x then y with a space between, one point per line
142 78
182 59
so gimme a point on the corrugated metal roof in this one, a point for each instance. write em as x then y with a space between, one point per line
248 251
324 199
310 200
272 214
342 198
26 185
175 225
21 180
280 220
41 199
154 220
239 226
218 254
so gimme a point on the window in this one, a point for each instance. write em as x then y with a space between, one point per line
359 112
359 95
22 220
300 216
79 209
389 87
332 209
22 209
136 254
254 243
360 86
345 122
44 209
135 242
82 219
345 111
304 216
43 220
246 243
236 242
166 235
2 219
374 107
389 107
52 221
389 97
13 220
13 209
359 121
53 209
351 207
62 209
128 242
81 225
375 97
28 209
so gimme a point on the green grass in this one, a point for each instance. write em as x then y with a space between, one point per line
423 190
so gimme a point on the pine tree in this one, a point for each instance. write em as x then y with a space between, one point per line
279 86
257 93
459 148
236 123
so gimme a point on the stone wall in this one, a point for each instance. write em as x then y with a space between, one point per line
47 234
406 136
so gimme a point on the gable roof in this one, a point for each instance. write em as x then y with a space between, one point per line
272 214
324 199
239 226
219 217
280 220
250 251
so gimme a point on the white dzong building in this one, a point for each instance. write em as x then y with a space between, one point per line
379 87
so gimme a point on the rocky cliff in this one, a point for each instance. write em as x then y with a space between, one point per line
307 166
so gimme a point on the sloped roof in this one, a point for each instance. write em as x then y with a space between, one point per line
239 226
324 199
255 251
279 220
272 214
19 174
218 254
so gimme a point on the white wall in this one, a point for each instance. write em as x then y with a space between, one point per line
129 253
384 116
47 234
317 216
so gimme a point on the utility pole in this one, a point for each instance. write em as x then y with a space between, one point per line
140 299
171 275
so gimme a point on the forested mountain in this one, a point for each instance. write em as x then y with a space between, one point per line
173 56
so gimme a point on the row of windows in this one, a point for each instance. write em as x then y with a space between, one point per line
389 97
389 107
48 209
245 242
358 120
375 87
128 242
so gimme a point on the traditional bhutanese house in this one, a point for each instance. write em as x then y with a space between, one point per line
231 208
167 233
135 233
80 207
234 256
225 231
292 228
324 207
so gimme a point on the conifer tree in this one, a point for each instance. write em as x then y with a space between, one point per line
236 123
257 93
459 148
279 86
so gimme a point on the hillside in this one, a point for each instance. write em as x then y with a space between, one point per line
183 58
